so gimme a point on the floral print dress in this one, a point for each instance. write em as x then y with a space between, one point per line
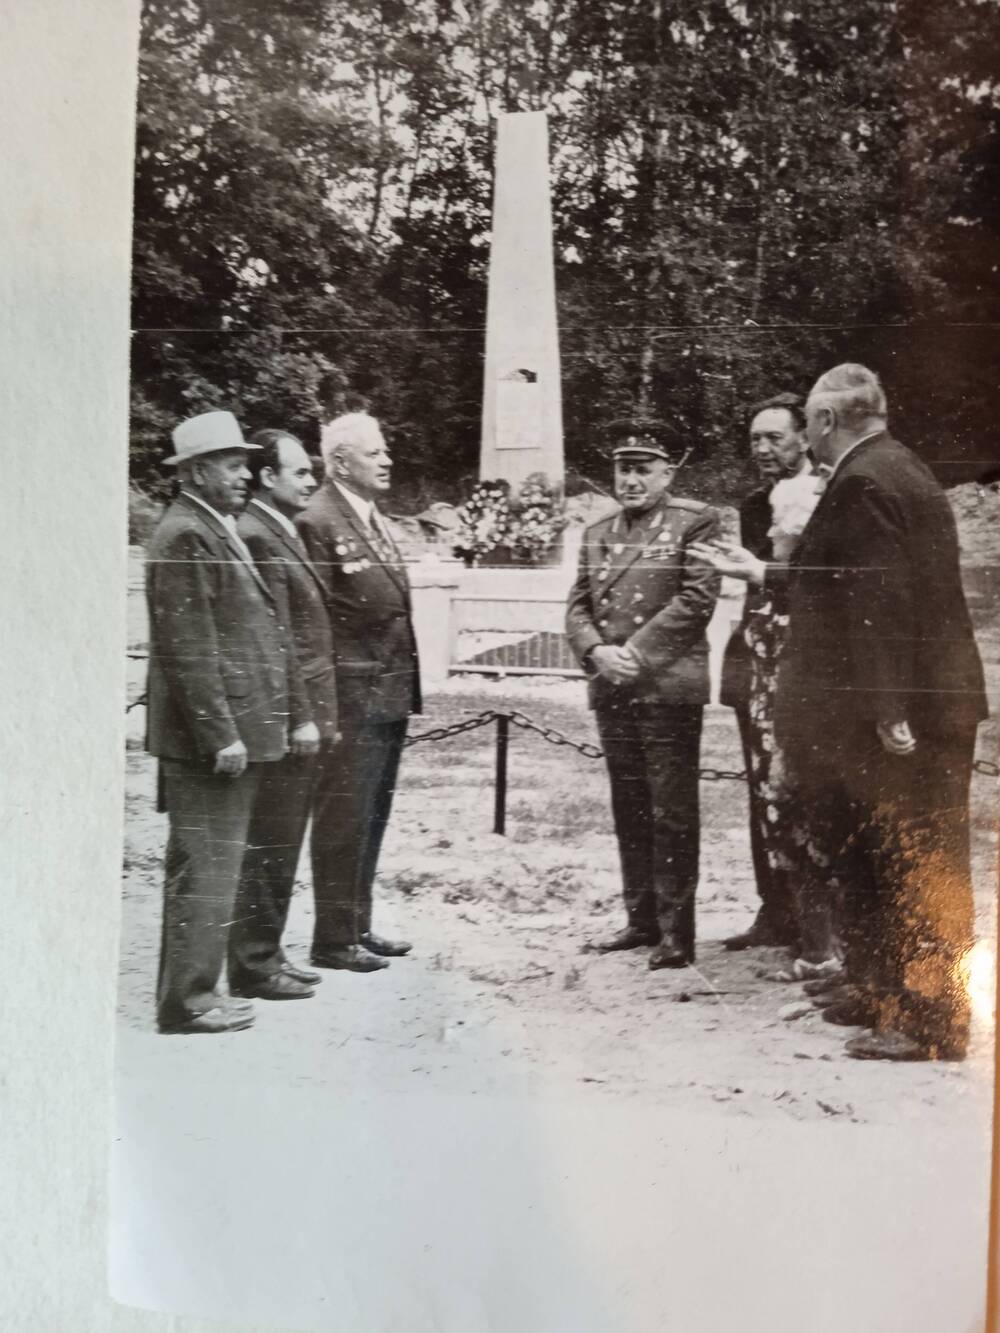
793 841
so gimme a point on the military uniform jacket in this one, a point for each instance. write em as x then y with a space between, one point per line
299 594
638 586
218 661
368 599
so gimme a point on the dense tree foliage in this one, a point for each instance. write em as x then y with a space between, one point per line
743 193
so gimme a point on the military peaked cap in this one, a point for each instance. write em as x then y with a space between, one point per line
646 437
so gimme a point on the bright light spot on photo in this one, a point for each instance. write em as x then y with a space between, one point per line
978 968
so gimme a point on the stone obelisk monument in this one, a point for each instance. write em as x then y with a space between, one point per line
522 403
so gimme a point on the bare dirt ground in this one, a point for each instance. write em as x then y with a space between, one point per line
503 1132
498 993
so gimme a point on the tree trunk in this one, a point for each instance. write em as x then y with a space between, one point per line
653 132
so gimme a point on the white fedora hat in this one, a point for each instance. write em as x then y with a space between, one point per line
207 434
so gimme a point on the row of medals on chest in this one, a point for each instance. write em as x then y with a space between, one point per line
663 547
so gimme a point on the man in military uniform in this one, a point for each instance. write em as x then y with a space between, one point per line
636 619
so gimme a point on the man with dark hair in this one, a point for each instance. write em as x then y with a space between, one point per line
636 619
778 451
282 481
217 716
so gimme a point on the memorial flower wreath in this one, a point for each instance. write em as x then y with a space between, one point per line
484 520
490 522
538 519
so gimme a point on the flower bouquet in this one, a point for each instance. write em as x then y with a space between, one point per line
484 521
537 521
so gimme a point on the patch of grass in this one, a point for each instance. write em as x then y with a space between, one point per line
563 815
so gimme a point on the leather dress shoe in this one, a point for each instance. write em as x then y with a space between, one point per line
891 1045
822 985
762 934
300 974
835 995
384 948
629 938
348 958
279 986
223 1018
668 953
856 1012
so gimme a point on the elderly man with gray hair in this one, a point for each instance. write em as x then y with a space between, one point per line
880 692
378 687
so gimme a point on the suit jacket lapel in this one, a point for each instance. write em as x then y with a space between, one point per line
395 566
220 530
296 547
347 511
627 545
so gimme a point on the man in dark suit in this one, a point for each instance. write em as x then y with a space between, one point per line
778 450
282 481
636 619
378 687
218 713
879 699
880 694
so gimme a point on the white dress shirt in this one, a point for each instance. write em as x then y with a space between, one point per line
368 514
228 521
363 508
285 522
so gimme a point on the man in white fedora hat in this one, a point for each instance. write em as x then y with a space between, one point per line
218 708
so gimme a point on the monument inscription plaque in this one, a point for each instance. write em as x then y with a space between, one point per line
519 422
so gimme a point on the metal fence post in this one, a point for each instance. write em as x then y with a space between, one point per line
500 793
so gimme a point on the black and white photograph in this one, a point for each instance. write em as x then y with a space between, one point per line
559 887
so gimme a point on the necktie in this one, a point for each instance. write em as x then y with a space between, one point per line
379 537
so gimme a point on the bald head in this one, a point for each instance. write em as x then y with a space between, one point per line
355 454
844 404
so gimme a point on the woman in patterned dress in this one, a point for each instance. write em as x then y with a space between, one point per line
792 849
792 873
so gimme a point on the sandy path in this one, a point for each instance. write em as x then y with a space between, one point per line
502 1133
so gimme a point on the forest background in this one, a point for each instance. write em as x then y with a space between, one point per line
744 193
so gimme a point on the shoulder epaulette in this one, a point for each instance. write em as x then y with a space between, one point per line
597 522
695 506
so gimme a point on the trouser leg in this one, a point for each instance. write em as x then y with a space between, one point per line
908 890
631 807
209 818
385 751
813 839
274 842
935 923
840 827
341 801
671 742
816 901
